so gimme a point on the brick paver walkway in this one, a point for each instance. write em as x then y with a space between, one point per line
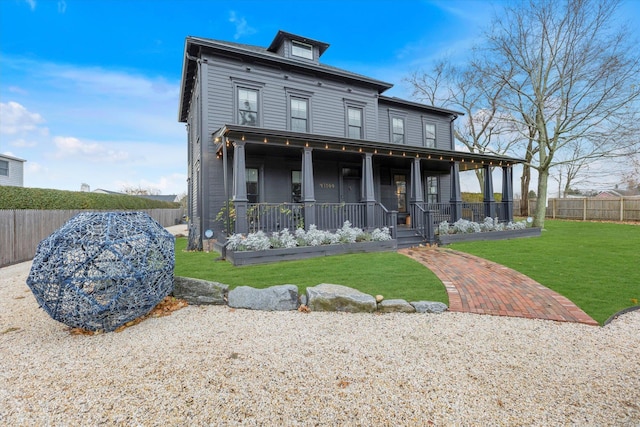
476 285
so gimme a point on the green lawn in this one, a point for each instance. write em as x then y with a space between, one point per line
595 265
385 273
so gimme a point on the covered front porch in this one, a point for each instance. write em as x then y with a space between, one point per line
370 184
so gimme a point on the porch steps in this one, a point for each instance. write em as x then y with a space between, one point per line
408 237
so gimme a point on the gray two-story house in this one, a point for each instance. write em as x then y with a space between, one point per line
277 139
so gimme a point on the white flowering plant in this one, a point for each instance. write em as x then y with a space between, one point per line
259 241
463 226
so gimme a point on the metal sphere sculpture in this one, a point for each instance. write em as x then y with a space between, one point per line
101 270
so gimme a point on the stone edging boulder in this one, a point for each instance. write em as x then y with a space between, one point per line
324 297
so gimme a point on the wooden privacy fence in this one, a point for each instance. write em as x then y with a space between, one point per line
22 230
599 209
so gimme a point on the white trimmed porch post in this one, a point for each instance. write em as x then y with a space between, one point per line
366 190
240 187
489 200
308 188
456 196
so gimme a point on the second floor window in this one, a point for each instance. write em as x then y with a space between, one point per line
430 135
247 107
299 115
397 130
354 123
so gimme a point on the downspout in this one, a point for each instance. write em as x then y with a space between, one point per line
226 184
202 144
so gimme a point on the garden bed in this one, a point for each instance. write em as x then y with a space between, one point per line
304 252
446 239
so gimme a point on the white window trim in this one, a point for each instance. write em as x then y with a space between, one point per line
398 114
7 169
426 122
304 47
301 94
250 85
357 105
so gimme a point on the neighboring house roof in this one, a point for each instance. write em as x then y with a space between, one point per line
161 197
619 193
101 191
8 157
193 44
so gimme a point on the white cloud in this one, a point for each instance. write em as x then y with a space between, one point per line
90 151
104 127
62 6
31 3
242 28
17 119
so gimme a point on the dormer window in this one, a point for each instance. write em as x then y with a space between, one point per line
301 50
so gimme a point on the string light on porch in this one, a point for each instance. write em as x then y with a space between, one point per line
343 148
242 138
287 142
326 146
265 140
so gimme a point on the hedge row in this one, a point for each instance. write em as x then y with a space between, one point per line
47 199
479 197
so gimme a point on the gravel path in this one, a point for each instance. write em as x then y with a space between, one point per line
215 365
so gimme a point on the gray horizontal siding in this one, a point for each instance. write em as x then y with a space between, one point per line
327 101
414 119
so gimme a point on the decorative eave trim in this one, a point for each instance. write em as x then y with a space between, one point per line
255 135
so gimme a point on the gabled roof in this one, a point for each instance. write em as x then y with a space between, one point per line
405 103
8 157
193 45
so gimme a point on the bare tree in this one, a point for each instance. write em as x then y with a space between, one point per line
481 130
571 76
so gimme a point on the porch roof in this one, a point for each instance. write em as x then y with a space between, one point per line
255 135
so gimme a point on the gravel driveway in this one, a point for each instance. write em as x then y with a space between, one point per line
215 365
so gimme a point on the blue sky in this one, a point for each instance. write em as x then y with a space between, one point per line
89 89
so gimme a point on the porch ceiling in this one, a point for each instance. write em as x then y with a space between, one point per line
253 135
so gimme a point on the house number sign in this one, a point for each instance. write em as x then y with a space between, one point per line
327 186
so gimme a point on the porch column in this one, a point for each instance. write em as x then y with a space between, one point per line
416 195
456 196
308 188
489 200
366 190
240 187
507 193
